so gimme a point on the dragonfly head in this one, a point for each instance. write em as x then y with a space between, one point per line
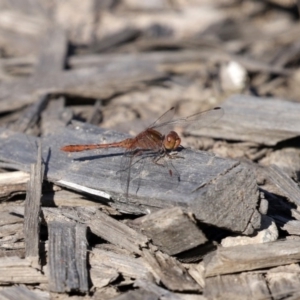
172 141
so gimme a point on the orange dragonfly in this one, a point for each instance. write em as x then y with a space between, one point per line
157 141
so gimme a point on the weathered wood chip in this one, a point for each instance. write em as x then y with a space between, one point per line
284 183
283 282
16 270
22 292
67 257
160 292
12 183
112 264
171 230
117 233
243 286
32 207
169 271
138 294
102 276
9 217
256 121
251 257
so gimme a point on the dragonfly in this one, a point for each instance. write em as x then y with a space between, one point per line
157 141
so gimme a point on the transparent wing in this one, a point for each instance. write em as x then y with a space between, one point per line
132 166
197 120
124 172
164 119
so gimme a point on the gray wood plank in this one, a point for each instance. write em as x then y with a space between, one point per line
266 121
32 207
67 257
206 181
250 257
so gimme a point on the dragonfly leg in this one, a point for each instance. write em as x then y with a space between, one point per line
174 155
157 159
157 163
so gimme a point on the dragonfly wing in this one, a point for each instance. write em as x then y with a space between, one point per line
165 118
124 172
132 165
197 120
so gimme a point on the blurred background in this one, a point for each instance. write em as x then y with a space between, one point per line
122 63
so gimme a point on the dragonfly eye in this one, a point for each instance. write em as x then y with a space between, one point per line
172 141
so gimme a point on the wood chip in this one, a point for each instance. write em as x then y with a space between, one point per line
250 257
283 281
117 233
169 271
32 207
243 286
287 187
22 292
67 257
112 264
257 122
13 183
17 270
168 230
